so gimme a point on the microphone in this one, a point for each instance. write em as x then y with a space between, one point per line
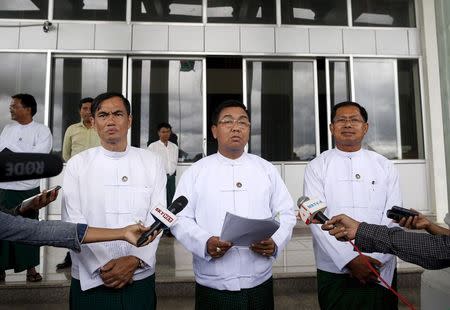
28 166
164 218
311 209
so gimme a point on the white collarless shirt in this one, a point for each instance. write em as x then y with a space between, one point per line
30 138
168 153
249 187
112 189
362 185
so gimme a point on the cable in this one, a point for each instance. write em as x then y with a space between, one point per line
400 296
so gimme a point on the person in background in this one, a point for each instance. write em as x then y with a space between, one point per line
169 153
24 135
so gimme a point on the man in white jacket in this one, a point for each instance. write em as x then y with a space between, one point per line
111 186
230 277
363 185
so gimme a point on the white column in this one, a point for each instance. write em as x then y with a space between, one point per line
432 106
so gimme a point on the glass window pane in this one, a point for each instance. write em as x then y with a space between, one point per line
245 11
384 13
22 73
168 91
167 11
410 109
281 105
375 90
317 12
339 83
111 10
24 9
74 79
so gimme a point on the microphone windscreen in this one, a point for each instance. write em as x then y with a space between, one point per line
178 204
28 166
302 200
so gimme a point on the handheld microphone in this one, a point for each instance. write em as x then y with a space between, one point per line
28 166
163 218
311 209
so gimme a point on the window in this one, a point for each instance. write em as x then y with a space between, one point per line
22 73
383 13
170 91
75 78
110 10
245 11
167 11
24 9
281 102
317 12
389 90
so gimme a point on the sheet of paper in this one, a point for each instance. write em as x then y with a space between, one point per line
242 231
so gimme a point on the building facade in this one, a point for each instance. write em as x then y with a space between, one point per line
288 61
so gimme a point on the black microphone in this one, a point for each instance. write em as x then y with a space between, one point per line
163 219
28 166
311 209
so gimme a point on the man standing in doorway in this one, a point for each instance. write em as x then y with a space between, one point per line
79 137
230 277
169 153
361 184
111 186
23 136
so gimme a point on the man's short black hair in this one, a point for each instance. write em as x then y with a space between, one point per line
83 101
163 125
362 111
105 96
227 104
27 101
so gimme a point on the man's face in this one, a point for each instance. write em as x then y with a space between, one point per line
164 134
18 111
85 112
348 128
112 122
232 130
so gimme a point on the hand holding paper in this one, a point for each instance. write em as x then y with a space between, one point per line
242 231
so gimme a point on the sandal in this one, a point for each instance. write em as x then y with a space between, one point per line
36 277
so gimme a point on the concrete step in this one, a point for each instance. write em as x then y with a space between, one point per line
294 291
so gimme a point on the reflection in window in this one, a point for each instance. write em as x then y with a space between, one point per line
168 91
22 73
339 83
317 12
77 78
245 11
281 105
410 109
167 10
383 13
375 90
110 10
24 9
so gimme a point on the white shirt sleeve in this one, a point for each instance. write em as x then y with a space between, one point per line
172 159
340 252
186 230
281 204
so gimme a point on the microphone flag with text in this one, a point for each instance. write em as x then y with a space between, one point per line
311 209
28 166
163 217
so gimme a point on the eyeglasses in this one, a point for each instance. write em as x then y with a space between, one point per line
344 121
229 122
115 115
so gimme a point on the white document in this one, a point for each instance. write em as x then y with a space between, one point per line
242 231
